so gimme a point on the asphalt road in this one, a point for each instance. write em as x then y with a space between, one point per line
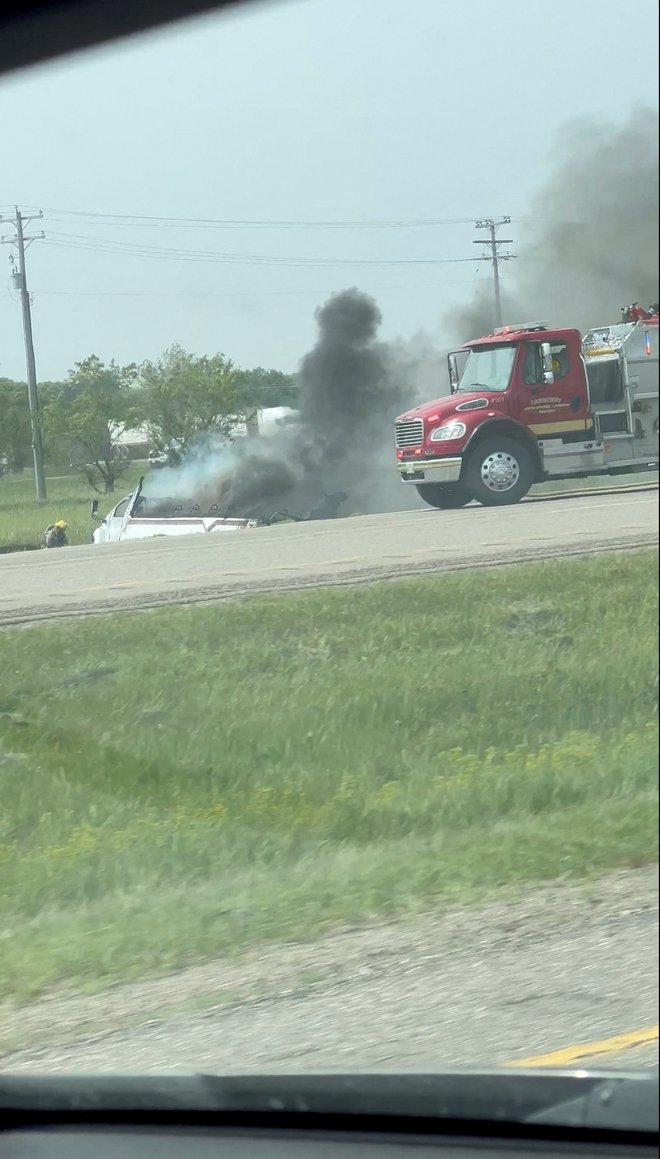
147 573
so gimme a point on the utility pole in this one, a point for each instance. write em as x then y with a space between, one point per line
20 281
494 256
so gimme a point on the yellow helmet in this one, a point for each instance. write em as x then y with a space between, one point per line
60 523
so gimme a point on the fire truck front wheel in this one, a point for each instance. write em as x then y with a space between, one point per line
444 498
499 472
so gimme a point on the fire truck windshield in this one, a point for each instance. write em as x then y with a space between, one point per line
488 368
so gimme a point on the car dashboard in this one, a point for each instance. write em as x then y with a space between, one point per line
465 1115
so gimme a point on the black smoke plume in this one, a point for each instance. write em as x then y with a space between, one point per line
350 390
590 243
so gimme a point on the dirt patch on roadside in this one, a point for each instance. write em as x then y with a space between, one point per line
357 955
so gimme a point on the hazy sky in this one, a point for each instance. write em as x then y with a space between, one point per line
309 111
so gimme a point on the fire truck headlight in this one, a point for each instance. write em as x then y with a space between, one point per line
453 430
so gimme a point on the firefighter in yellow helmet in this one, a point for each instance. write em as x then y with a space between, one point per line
55 535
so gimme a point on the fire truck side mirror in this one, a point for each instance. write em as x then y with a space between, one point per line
453 373
546 358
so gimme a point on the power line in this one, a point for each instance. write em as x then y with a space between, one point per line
137 249
19 275
247 223
241 293
494 256
134 220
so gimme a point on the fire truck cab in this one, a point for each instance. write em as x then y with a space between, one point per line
529 404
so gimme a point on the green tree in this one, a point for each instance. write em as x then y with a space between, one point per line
86 415
264 388
15 433
183 397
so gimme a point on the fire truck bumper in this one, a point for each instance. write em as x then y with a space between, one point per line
431 470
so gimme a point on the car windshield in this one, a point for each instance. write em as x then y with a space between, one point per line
488 368
338 748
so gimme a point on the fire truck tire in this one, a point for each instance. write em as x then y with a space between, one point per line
499 472
443 498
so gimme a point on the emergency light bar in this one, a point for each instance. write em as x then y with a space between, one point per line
510 329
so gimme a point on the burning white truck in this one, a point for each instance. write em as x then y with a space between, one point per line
137 516
199 485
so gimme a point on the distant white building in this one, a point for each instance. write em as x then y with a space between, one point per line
135 440
138 442
263 422
272 418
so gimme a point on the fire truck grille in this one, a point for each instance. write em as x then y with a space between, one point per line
409 434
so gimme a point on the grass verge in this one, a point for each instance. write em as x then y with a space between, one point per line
185 783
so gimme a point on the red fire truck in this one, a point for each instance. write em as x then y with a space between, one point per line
529 404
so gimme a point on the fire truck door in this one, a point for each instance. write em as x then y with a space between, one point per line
557 408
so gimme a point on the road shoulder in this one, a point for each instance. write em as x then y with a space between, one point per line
515 977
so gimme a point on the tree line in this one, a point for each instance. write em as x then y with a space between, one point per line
178 398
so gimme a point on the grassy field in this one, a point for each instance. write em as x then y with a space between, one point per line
186 782
23 518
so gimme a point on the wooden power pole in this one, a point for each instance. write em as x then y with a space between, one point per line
20 241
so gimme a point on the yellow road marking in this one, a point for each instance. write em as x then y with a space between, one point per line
574 1054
